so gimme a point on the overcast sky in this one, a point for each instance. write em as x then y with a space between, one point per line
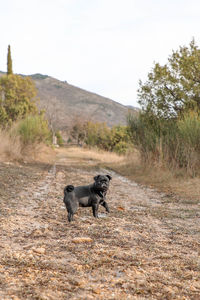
104 46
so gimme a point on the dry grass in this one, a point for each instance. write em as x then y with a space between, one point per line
39 153
91 155
10 147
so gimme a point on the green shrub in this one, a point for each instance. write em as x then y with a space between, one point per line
60 140
121 147
17 98
115 139
34 129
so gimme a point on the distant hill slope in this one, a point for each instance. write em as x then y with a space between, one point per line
71 102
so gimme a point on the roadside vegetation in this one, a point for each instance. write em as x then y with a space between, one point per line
22 125
98 135
167 132
161 143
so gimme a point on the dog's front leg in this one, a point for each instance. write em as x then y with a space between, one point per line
70 216
95 207
105 204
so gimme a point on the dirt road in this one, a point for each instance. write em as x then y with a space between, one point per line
148 247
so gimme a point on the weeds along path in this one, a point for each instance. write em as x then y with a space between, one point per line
148 247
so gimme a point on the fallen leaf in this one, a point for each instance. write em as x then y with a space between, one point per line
120 208
79 240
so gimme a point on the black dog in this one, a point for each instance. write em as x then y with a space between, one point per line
86 196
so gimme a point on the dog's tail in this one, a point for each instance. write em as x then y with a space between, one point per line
68 189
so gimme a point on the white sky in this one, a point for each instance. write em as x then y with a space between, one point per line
104 46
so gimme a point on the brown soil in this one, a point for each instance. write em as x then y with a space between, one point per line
148 247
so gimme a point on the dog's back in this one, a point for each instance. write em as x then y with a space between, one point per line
83 191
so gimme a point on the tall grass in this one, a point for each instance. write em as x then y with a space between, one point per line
10 146
170 143
189 140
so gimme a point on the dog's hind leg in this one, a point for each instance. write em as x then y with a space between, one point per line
70 201
72 207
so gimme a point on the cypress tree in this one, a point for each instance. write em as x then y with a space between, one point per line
9 62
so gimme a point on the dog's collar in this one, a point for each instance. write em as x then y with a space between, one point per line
98 192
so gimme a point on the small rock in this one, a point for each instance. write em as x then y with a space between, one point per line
15 298
36 233
96 290
40 250
60 175
79 267
25 247
80 283
169 290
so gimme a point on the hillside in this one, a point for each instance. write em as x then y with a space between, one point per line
69 102
72 102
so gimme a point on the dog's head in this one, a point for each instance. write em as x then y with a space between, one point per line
101 182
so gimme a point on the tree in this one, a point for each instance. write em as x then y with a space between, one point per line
175 87
9 62
52 111
17 98
78 130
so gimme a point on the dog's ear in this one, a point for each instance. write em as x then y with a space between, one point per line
109 177
96 177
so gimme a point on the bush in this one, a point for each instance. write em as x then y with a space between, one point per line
60 140
17 98
121 147
34 129
115 139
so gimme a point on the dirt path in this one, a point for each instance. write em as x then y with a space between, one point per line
148 247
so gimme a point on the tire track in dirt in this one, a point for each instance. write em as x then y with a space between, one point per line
146 248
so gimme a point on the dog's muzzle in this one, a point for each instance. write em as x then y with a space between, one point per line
101 186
